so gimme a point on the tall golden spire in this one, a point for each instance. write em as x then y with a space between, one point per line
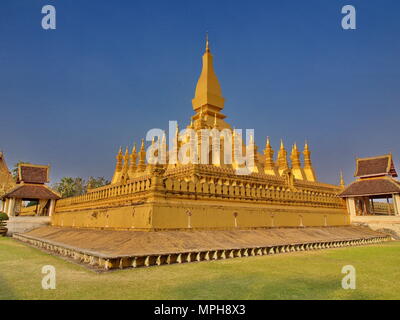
132 167
142 157
342 183
163 152
282 159
207 43
208 90
269 164
251 157
307 156
126 160
297 170
295 157
119 158
118 167
308 168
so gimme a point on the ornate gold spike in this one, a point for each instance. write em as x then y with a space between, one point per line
342 183
208 89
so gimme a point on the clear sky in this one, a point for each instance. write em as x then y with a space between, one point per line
112 70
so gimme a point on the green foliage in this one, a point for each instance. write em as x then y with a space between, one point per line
72 187
14 171
32 203
98 182
301 275
3 216
3 219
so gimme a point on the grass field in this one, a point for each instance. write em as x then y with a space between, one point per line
305 275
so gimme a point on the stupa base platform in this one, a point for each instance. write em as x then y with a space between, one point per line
106 249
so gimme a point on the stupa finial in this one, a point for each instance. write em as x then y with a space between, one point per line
342 183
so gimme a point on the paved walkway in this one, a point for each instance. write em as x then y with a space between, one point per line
25 224
389 224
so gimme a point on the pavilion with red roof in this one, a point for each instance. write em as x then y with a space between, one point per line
375 181
31 186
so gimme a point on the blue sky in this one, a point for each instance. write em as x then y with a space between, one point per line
112 70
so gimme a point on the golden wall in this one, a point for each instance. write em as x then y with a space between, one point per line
159 203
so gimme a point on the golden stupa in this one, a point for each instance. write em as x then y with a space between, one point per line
194 195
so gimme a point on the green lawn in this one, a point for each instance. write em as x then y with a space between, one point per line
305 275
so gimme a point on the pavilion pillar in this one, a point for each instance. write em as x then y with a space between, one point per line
366 210
5 208
351 207
396 203
10 209
1 205
372 205
388 206
52 206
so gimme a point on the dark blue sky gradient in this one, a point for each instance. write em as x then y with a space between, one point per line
114 69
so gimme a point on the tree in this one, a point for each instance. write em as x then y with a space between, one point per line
98 182
72 187
14 171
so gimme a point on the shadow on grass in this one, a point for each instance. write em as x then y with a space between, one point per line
257 287
6 293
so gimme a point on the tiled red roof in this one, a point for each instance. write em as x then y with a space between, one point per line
32 192
33 174
370 187
375 166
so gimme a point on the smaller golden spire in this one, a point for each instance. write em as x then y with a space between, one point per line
308 168
207 43
306 146
269 164
215 120
118 167
251 140
295 157
126 156
307 156
282 159
142 157
132 166
163 151
119 158
126 162
142 146
268 144
342 183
